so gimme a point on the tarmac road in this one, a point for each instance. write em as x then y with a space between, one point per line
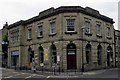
11 74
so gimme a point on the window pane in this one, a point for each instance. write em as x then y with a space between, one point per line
87 24
40 31
70 24
108 31
29 33
53 27
98 29
41 55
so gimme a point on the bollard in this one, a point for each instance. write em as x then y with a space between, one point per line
42 69
34 69
59 69
54 67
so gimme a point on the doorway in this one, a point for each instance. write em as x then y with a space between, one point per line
71 56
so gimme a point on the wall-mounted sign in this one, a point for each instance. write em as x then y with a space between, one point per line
71 52
15 53
45 54
58 58
41 64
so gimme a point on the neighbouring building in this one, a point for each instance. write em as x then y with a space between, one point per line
117 47
4 43
68 37
0 47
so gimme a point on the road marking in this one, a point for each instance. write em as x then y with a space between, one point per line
24 73
90 73
15 72
30 76
5 73
48 76
8 73
12 76
62 76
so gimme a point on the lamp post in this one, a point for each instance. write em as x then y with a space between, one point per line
4 50
82 48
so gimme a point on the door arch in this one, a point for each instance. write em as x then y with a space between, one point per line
88 53
30 55
41 54
99 54
109 55
53 51
71 56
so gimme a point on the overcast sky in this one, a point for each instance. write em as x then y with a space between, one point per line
15 10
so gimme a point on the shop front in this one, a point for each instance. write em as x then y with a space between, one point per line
14 58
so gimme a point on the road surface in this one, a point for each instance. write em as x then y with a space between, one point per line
11 74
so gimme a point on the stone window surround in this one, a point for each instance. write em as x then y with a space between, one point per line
52 20
86 19
29 33
40 31
108 32
68 17
98 31
39 24
52 27
14 35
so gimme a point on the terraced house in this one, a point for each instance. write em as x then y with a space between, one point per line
68 37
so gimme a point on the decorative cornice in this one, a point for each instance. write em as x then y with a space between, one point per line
21 22
63 9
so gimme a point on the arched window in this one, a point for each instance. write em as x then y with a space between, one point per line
109 55
88 53
71 56
99 54
53 53
41 54
30 55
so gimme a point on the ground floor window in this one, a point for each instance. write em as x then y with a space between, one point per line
109 55
53 52
41 54
14 58
30 55
99 54
88 53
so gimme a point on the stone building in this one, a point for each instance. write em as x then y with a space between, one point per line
4 45
117 47
69 37
0 47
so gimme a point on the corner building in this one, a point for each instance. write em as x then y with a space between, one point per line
69 37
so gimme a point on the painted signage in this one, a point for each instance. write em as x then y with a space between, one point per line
46 54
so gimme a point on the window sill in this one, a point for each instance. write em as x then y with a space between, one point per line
74 32
108 37
39 37
89 34
29 39
52 34
99 36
